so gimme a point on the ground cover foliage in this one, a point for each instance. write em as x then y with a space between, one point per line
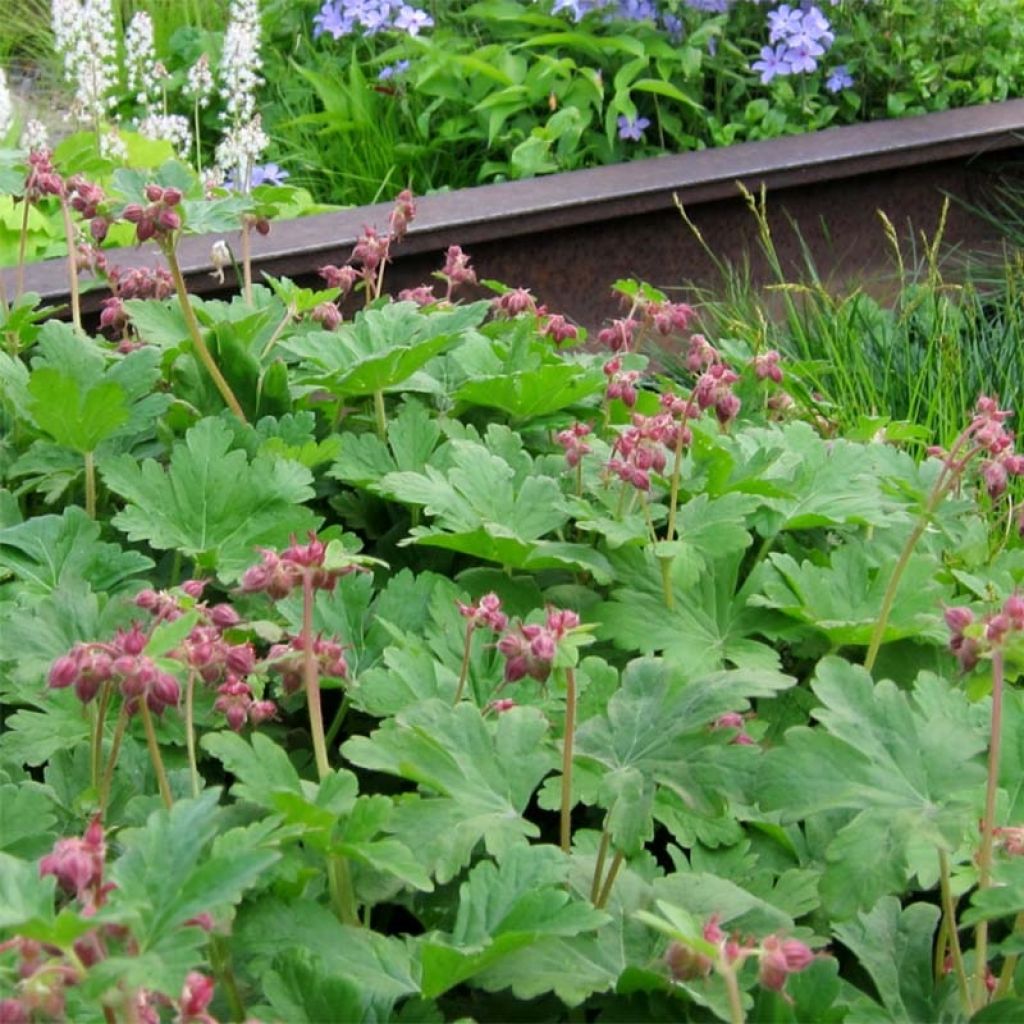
437 662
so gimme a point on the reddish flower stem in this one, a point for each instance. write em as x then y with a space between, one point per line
154 754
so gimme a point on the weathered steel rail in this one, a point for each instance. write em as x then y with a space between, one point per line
568 236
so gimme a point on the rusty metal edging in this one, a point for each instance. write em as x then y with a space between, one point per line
512 209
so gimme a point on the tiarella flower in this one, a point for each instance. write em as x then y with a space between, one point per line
240 148
839 78
112 146
175 128
240 63
199 83
140 60
632 128
86 41
34 136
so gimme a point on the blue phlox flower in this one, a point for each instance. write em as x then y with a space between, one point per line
329 19
391 70
783 22
632 128
839 78
774 62
673 26
412 20
802 58
817 27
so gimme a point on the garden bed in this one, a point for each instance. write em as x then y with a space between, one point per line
567 236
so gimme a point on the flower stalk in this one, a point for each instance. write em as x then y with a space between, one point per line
565 831
154 754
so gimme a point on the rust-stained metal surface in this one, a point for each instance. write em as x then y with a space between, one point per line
568 236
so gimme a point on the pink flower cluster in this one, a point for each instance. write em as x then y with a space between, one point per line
43 179
621 383
158 219
641 448
779 957
77 864
87 667
734 720
572 440
714 390
530 648
455 273
969 641
279 574
986 436
85 198
486 613
286 660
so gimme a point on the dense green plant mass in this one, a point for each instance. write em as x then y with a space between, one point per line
429 664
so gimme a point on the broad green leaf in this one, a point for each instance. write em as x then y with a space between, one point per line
530 394
382 348
844 598
302 990
906 765
703 894
46 551
477 777
26 813
894 945
168 872
261 767
211 503
503 908
25 897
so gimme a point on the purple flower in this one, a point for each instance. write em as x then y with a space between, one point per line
262 174
632 128
802 57
412 19
774 61
708 6
783 22
673 26
839 78
330 20
398 68
816 26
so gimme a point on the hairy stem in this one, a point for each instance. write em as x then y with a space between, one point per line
988 825
19 277
115 750
247 259
197 335
311 681
190 732
380 415
90 484
464 667
96 748
602 853
732 987
154 754
609 880
567 741
69 234
949 913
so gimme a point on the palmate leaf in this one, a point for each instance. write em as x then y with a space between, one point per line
657 724
529 394
710 624
844 599
906 765
382 348
177 866
46 551
476 778
503 908
212 503
894 945
484 505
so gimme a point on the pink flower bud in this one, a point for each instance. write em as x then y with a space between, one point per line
63 672
195 996
223 616
154 193
958 618
171 196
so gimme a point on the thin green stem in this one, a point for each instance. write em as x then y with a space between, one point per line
247 259
732 987
673 493
69 234
96 751
115 750
190 732
464 667
278 331
220 961
90 484
988 825
154 754
19 277
567 742
609 881
602 854
666 581
311 680
949 921
199 145
339 718
197 335
380 415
